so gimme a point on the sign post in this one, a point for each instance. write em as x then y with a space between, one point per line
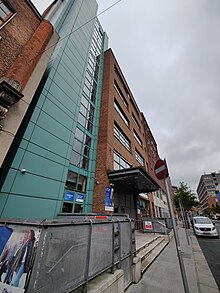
161 173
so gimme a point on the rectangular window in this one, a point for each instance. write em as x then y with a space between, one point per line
120 79
121 113
133 105
118 133
120 94
139 158
71 180
137 137
81 149
135 121
76 181
81 186
5 12
120 162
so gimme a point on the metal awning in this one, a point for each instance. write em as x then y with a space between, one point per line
135 179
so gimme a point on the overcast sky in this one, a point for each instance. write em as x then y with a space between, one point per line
169 52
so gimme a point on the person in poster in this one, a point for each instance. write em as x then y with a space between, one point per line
7 259
17 258
23 259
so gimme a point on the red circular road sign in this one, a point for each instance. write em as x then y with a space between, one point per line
160 169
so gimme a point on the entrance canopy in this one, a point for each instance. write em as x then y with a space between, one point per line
135 179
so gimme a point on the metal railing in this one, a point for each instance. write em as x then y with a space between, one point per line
158 225
74 249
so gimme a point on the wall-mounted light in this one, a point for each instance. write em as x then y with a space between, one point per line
23 171
97 182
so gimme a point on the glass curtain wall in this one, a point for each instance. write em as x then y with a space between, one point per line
81 153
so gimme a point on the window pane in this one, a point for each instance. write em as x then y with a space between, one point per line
116 166
82 120
120 162
86 90
79 134
77 146
121 113
85 102
76 159
85 163
121 137
120 94
5 12
67 207
86 151
116 158
71 180
89 126
2 14
78 208
88 140
83 110
81 183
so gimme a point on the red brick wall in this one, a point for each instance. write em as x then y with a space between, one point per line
26 61
106 140
24 38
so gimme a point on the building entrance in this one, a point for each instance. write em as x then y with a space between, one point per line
125 203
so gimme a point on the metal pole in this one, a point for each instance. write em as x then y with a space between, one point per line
179 252
184 223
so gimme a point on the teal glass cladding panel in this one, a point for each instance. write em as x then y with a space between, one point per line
58 111
3 199
26 207
35 186
41 166
49 123
9 183
35 149
49 141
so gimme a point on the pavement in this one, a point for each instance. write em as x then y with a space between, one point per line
164 276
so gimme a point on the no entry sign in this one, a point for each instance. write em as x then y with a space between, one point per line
160 169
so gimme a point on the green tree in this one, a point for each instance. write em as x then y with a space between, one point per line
184 195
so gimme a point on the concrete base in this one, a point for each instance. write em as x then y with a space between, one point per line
107 283
136 269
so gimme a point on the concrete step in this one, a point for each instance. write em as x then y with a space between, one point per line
144 252
153 253
147 243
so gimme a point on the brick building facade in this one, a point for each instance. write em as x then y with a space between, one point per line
126 152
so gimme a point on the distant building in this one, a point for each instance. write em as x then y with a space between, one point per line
208 188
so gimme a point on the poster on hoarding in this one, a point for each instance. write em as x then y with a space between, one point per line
18 249
148 225
109 199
